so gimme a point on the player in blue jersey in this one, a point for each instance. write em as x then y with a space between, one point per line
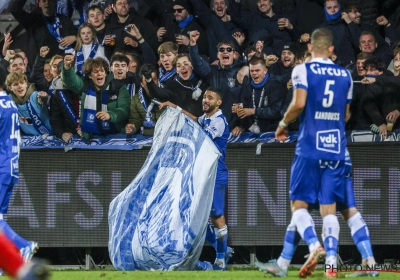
321 99
216 127
9 172
358 228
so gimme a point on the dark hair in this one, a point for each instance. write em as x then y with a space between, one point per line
92 8
3 76
348 7
179 56
145 68
257 60
375 64
91 64
217 91
119 57
249 49
363 55
225 42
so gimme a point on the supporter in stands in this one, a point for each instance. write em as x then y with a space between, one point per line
119 67
217 23
282 70
344 46
281 27
134 61
107 116
262 99
228 76
41 82
368 44
185 22
186 90
47 71
32 105
167 52
16 62
9 56
87 46
45 29
144 113
358 89
95 15
122 17
380 104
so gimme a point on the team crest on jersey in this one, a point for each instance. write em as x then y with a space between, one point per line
266 101
231 82
328 141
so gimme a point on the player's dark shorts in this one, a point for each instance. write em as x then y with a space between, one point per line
5 193
218 203
315 181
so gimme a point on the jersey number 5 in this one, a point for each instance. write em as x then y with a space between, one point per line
327 102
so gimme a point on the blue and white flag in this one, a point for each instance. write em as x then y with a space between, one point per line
159 221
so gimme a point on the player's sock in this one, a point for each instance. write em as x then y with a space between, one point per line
10 259
360 234
12 235
210 236
292 239
305 227
222 243
331 230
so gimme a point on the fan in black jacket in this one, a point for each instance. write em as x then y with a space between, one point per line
186 90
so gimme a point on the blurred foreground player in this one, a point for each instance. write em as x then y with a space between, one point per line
9 171
15 266
216 127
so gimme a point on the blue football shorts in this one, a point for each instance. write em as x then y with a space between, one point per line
5 194
218 203
317 181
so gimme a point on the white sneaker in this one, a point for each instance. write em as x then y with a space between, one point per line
28 251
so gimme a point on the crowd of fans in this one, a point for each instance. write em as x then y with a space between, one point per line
96 67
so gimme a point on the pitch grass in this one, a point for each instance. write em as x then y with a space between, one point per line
193 275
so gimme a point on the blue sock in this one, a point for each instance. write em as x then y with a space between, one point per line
331 230
12 235
210 236
360 234
222 241
292 239
305 227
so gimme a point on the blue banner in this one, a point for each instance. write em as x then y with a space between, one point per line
137 141
159 221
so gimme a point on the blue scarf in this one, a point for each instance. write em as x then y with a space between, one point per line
37 121
54 29
182 24
164 75
131 89
148 122
260 85
80 59
89 121
335 16
68 107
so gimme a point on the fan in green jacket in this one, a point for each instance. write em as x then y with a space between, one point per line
105 101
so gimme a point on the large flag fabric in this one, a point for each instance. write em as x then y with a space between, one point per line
159 221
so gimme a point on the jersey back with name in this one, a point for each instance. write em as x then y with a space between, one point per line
322 123
9 140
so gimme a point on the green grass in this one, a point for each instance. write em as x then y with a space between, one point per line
190 275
